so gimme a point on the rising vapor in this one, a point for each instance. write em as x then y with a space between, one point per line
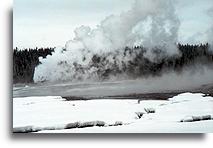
124 46
151 23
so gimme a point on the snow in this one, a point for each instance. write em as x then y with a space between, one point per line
56 112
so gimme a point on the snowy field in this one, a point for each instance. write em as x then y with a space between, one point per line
185 113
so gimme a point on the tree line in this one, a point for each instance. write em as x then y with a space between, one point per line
139 65
188 55
25 61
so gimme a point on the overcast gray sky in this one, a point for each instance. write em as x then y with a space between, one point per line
44 23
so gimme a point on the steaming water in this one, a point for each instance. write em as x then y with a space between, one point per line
167 82
83 89
151 23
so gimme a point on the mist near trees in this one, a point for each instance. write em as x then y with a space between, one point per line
108 66
25 61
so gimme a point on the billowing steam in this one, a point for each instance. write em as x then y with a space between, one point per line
157 17
151 23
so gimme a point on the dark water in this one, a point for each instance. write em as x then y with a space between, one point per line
102 89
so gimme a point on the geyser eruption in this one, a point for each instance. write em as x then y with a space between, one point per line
150 23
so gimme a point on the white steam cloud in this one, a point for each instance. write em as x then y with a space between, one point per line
151 23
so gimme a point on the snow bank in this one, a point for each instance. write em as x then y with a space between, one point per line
54 114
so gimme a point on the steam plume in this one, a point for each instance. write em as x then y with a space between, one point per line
151 23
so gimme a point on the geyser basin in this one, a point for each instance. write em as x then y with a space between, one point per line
122 70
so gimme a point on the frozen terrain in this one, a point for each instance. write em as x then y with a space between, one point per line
184 113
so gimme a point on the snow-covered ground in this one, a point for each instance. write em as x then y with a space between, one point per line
44 113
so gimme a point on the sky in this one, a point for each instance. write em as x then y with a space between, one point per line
50 23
